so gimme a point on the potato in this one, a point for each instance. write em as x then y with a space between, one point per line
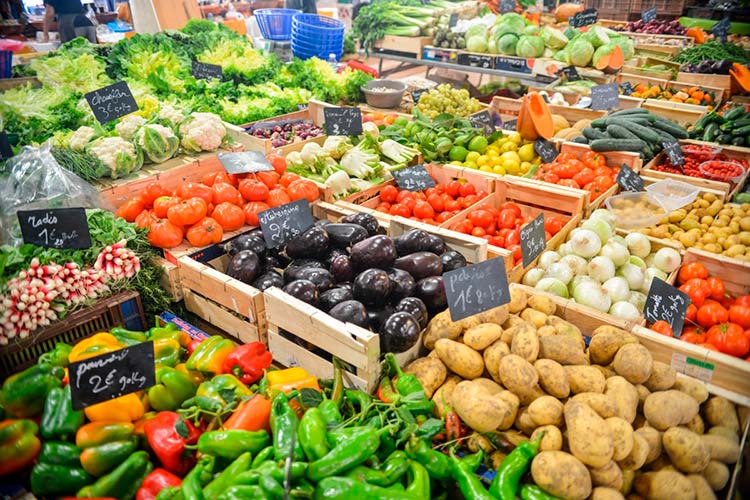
606 371
695 388
702 489
664 485
565 350
514 437
653 438
662 377
628 478
518 300
552 439
720 411
601 493
478 442
624 395
479 409
431 373
529 396
721 448
512 321
523 422
496 315
481 336
661 462
670 408
542 304
717 475
696 425
517 374
491 386
510 333
460 359
643 393
552 377
441 327
525 343
496 458
546 410
637 456
634 362
546 331
685 449
724 431
584 379
610 475
602 404
606 340
442 396
589 436
622 436
561 474
536 318
492 356
566 328
512 402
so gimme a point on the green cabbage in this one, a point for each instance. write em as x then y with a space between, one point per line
581 52
501 29
562 56
626 45
529 46
477 29
159 143
507 44
553 38
477 43
516 21
597 36
531 30
492 46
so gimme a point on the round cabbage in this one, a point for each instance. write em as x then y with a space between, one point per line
529 46
581 52
516 21
553 38
477 43
506 44
531 30
476 29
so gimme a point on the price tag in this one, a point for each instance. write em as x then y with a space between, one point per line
674 152
112 102
483 120
507 6
665 302
533 240
343 121
721 29
416 95
245 162
425 2
648 15
583 18
627 88
415 178
204 71
629 180
301 107
514 64
5 150
112 375
510 125
571 73
475 60
474 289
284 223
453 20
55 227
546 150
605 96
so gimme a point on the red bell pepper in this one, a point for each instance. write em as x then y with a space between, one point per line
155 482
193 344
169 444
248 361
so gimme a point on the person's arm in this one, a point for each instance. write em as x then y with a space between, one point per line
49 16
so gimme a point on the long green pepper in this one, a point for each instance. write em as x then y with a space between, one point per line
469 483
534 492
284 424
312 435
363 444
508 476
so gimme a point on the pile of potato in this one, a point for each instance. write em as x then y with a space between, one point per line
615 422
708 224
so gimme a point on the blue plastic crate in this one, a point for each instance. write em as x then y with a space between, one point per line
275 24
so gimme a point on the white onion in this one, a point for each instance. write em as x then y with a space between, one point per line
547 259
633 275
616 238
604 215
553 286
667 259
638 299
638 244
649 260
585 243
532 276
617 288
600 227
601 269
560 271
616 252
649 275
564 250
576 263
590 293
634 259
625 310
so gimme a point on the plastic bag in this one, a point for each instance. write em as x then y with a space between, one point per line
37 181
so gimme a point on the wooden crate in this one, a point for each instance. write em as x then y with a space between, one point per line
637 70
411 45
170 279
627 102
301 335
506 107
717 92
638 79
683 114
723 82
651 40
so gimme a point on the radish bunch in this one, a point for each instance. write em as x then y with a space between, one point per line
117 261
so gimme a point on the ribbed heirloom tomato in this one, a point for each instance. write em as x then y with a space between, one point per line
729 338
224 192
204 233
131 209
230 217
162 204
187 212
164 234
253 190
195 190
252 210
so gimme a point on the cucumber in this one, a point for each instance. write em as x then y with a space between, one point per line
644 133
592 133
671 128
647 153
618 132
665 136
631 111
735 113
599 122
581 140
604 145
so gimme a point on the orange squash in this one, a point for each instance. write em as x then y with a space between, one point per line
566 10
616 60
697 33
742 75
541 117
525 124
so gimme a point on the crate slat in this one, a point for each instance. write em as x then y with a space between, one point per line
210 311
472 248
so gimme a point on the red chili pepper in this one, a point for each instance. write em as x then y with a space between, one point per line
452 426
169 444
248 361
155 482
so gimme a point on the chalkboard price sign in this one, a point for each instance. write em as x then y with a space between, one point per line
474 289
55 227
546 150
507 6
416 95
605 96
627 88
245 162
721 29
483 120
629 180
674 152
453 20
571 73
533 240
648 15
665 302
414 178
301 107
510 125
583 18
204 71
112 375
111 102
343 121
5 150
284 223
475 60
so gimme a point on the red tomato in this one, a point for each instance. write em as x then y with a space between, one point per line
478 231
303 188
710 314
696 293
466 189
571 183
691 313
464 226
471 199
729 338
252 210
383 207
287 178
278 197
553 224
277 162
690 271
453 188
270 179
497 241
444 216
511 206
131 209
584 176
145 219
565 170
716 287
436 201
253 190
152 192
482 218
743 300
223 192
516 250
423 210
230 217
400 209
513 239
740 314
662 328
389 194
162 204
506 219
195 190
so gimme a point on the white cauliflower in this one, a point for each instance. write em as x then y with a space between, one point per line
129 125
117 154
80 138
202 132
171 114
158 142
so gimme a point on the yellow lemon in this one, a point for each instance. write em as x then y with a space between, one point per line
525 166
498 169
472 156
485 168
511 155
492 154
526 152
496 161
482 160
500 141
509 146
458 163
514 137
512 167
470 164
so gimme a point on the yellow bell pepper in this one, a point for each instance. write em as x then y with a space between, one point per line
99 343
127 408
291 378
195 376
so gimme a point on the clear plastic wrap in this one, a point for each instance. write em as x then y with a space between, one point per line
37 181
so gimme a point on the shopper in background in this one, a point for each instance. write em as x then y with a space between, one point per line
71 20
306 6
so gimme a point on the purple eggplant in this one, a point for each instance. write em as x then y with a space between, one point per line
376 251
420 265
399 333
372 287
350 311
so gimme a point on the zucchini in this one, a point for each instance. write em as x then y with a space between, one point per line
670 128
581 140
604 145
618 132
711 132
742 130
644 133
592 133
738 140
741 123
724 138
735 113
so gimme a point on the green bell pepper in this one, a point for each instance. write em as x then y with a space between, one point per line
57 356
123 482
23 394
172 388
60 453
58 471
232 443
169 331
128 337
59 420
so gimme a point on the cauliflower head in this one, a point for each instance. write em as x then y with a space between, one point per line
159 143
128 126
202 132
80 138
171 114
117 154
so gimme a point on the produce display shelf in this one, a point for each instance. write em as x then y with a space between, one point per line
683 114
507 107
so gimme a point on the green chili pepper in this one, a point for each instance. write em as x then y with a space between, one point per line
262 456
271 488
345 455
345 488
243 492
192 489
513 467
337 392
534 492
436 463
169 493
393 469
473 461
359 398
284 423
469 483
406 383
123 482
312 434
419 480
330 413
224 480
232 443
